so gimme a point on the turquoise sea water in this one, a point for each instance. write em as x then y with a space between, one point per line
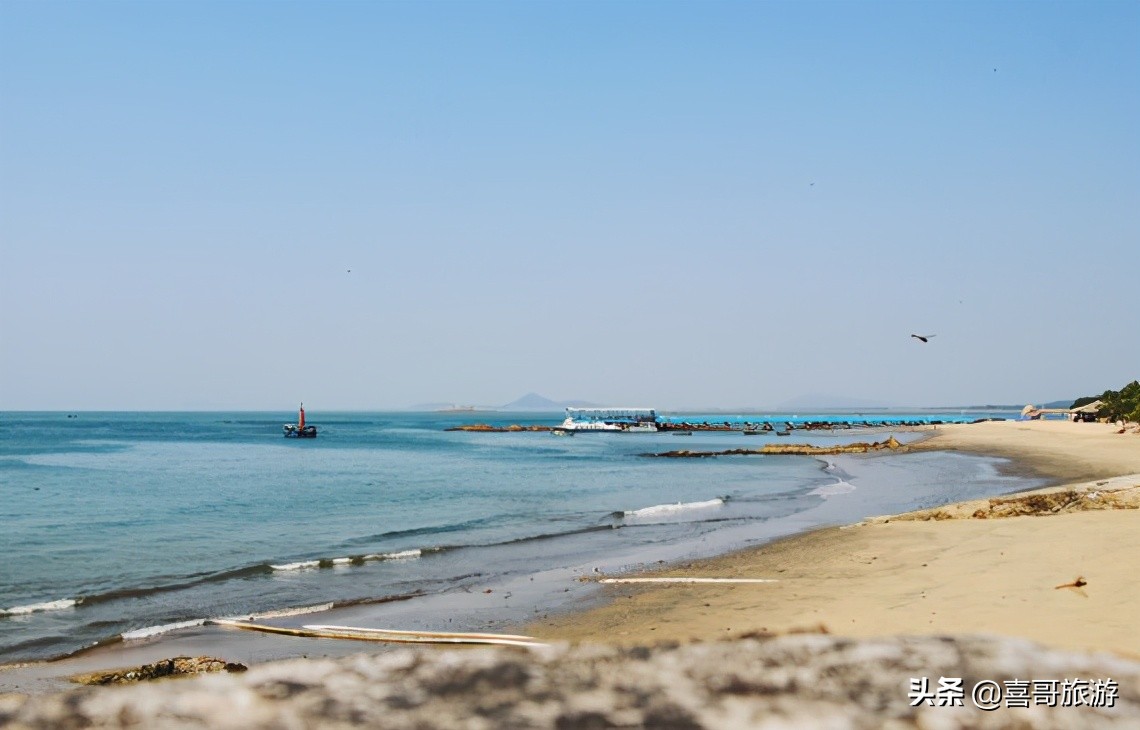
130 524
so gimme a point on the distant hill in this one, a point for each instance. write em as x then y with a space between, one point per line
536 402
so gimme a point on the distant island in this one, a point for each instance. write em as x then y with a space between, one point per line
805 403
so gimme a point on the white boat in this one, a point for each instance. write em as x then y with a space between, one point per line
617 420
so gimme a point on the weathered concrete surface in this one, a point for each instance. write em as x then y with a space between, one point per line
792 681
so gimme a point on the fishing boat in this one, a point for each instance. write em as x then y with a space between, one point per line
299 430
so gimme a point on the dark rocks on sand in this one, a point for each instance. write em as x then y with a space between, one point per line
178 666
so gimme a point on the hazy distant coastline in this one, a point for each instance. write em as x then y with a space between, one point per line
811 403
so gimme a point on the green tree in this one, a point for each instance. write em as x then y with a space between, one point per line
1123 404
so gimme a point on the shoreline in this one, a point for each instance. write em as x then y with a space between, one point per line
962 568
578 619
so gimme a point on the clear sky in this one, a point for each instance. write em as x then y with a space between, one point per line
239 205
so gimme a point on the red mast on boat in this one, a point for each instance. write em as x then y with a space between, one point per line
299 429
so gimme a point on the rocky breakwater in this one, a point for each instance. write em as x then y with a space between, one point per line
488 428
861 447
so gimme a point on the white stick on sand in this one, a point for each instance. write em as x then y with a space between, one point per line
688 580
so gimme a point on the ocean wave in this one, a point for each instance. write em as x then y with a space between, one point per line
421 531
149 631
830 490
658 510
160 629
41 607
188 582
349 560
295 611
540 536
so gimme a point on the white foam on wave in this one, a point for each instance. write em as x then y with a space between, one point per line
150 631
337 562
298 566
665 509
830 490
401 555
297 611
40 607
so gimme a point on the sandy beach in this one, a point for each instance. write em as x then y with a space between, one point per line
989 566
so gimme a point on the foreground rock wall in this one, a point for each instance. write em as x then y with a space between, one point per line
790 681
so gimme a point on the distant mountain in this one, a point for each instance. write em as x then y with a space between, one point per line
1059 403
536 402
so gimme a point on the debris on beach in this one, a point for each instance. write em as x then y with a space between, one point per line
1114 494
180 666
1079 582
1058 502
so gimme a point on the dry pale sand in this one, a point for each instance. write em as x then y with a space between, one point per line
989 566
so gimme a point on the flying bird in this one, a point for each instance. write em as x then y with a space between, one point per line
924 338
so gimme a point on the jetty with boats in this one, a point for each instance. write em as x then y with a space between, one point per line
647 420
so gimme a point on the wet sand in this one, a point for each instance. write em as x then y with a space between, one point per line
987 566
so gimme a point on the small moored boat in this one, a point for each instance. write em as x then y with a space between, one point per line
299 429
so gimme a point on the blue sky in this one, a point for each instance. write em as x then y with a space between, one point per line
676 204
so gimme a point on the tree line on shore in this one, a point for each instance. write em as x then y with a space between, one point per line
1116 405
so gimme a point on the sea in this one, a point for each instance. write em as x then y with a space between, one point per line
128 527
